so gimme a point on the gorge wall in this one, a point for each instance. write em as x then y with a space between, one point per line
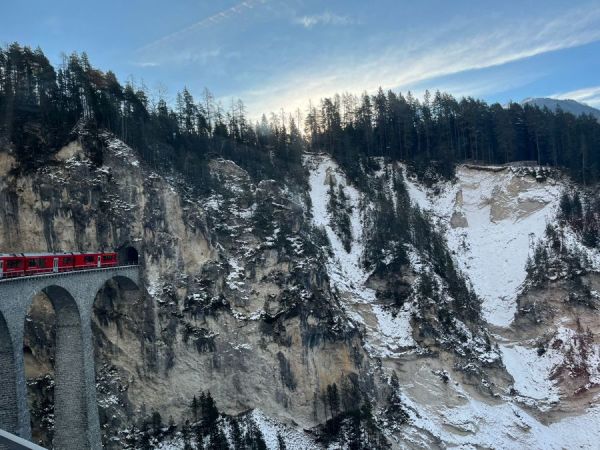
374 310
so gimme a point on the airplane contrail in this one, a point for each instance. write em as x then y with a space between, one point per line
206 22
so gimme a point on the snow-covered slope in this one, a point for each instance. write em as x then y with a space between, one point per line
492 218
567 105
503 425
387 335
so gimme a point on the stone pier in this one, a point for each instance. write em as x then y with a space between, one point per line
72 295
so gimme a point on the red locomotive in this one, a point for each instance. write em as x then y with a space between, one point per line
27 264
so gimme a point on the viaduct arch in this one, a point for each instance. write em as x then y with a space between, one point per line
72 295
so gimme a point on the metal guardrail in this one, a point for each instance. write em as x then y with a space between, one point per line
65 273
9 441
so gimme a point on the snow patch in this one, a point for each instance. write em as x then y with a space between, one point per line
476 424
491 220
293 438
389 334
531 371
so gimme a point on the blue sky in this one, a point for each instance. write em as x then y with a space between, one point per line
283 53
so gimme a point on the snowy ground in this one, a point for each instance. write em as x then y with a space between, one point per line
532 371
294 439
387 335
497 218
503 426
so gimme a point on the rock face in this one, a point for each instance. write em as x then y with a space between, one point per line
290 301
543 315
237 299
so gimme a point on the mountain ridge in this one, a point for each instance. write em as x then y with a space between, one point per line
567 105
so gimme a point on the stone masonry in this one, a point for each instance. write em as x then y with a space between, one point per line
72 295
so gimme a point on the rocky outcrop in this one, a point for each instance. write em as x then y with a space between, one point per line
362 318
236 298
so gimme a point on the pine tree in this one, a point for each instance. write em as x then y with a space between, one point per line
195 407
333 399
565 207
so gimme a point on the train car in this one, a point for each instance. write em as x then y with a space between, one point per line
95 260
28 264
39 263
65 262
87 260
11 265
109 260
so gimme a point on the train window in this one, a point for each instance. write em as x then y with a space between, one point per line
41 262
13 263
107 257
67 260
88 259
32 262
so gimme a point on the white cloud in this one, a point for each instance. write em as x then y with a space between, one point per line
590 96
486 84
186 56
325 18
438 53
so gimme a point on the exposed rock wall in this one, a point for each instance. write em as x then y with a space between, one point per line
236 300
262 295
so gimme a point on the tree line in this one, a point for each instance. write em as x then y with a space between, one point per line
440 131
40 105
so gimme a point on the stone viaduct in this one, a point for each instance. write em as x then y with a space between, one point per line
72 295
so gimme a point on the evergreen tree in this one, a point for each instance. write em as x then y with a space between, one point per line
281 442
333 399
195 407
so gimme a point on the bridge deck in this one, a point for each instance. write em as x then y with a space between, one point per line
66 273
11 442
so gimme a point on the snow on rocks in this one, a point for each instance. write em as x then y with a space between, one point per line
271 429
535 370
235 275
397 330
491 219
120 149
345 267
471 423
386 334
532 372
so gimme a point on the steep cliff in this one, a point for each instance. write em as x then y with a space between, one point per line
336 311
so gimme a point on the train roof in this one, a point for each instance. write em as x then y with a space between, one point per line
31 255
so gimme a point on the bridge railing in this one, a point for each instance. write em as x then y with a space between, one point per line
9 441
66 273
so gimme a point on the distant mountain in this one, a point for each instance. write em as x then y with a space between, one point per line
570 106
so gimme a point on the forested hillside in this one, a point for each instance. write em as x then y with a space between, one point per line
338 280
40 105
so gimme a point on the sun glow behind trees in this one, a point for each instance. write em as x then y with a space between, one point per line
40 106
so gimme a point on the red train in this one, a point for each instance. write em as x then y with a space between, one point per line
27 264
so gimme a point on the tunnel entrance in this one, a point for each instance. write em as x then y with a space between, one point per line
128 255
